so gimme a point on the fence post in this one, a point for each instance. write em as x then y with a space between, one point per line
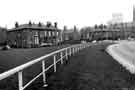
70 51
61 56
73 50
66 54
20 80
44 74
54 62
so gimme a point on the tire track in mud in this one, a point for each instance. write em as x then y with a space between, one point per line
91 69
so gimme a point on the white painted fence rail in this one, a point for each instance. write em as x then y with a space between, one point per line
64 53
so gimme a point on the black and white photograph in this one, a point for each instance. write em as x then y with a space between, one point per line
67 45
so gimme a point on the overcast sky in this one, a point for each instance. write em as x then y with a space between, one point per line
65 12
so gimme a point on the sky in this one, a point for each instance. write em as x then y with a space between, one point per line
66 12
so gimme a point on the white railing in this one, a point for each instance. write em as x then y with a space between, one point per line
64 53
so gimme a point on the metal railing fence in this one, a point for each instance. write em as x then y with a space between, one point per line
63 53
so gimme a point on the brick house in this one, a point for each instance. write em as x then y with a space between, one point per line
70 34
3 36
33 35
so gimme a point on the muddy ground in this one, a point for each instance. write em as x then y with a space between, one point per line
91 69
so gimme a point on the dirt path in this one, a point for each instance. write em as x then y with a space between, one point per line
91 69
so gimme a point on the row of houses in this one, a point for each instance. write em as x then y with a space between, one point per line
112 32
3 36
35 35
70 34
31 35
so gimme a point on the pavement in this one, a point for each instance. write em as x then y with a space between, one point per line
124 53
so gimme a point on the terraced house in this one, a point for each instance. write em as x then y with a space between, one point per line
3 36
33 35
70 34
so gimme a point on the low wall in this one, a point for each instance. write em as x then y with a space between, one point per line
124 53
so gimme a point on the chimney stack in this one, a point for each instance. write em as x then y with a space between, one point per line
65 28
134 13
55 24
39 24
49 24
30 23
16 25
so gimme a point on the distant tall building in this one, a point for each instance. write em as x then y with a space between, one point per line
117 17
134 14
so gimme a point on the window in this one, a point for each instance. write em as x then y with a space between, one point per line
52 33
36 33
49 33
45 33
57 33
36 40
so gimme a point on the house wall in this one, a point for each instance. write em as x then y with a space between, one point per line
3 36
27 38
17 38
74 35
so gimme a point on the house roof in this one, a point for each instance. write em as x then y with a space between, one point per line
2 27
68 31
33 27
